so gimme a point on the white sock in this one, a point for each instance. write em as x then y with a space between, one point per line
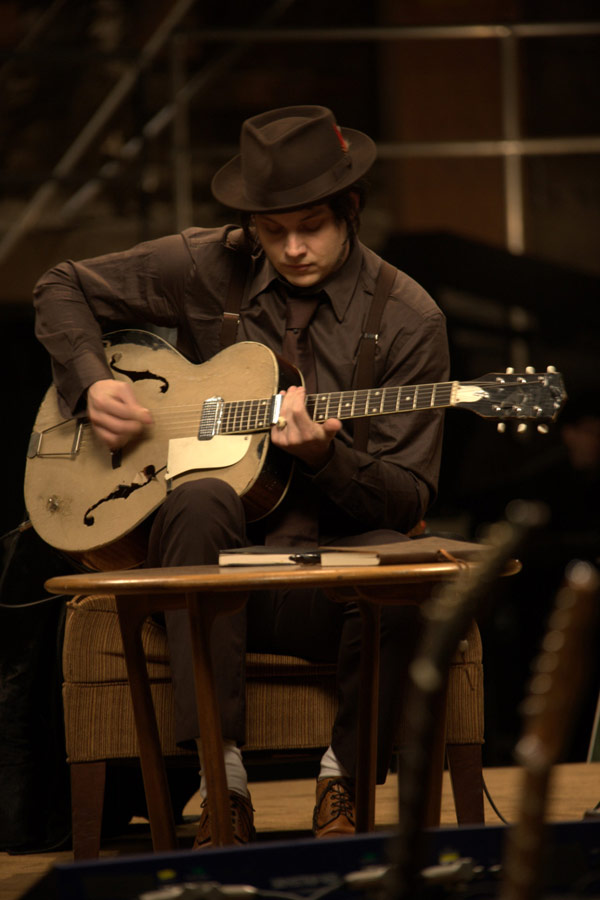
331 767
235 773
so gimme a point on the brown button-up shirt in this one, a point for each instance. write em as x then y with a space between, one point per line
180 282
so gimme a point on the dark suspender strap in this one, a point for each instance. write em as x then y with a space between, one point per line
229 327
235 292
365 367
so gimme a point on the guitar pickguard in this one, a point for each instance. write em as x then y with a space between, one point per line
190 454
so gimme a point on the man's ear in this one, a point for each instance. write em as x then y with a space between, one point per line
249 228
355 200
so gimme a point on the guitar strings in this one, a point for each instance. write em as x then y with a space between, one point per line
440 391
248 416
241 415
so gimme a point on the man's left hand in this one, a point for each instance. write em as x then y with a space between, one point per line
302 437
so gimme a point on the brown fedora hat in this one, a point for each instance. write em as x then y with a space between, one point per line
292 157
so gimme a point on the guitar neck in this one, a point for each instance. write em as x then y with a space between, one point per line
495 395
379 401
243 416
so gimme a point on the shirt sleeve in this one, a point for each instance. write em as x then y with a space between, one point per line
76 301
393 483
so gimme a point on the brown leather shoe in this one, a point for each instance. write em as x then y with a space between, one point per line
334 814
242 819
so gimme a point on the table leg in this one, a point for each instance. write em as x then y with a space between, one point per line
368 708
132 613
203 609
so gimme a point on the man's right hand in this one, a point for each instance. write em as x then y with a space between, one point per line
114 412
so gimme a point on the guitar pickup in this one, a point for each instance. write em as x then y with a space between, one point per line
210 419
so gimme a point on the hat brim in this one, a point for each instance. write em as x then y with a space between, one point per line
228 183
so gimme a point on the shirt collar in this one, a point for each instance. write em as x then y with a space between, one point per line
339 287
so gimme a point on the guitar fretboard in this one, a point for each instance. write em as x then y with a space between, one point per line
244 416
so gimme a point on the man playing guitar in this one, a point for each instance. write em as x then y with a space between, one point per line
305 292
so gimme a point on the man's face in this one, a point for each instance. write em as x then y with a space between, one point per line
305 246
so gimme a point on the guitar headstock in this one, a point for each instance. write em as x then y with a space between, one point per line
511 395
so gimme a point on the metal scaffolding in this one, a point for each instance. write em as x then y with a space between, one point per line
47 192
511 148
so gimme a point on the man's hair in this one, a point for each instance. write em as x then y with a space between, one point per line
345 206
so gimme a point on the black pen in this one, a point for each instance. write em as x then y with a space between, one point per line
311 557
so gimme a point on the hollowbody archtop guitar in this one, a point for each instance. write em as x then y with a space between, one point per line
213 420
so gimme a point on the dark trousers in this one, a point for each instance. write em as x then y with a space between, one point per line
202 517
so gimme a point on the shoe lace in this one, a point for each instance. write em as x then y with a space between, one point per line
240 809
241 812
341 801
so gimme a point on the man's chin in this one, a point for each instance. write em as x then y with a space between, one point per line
302 279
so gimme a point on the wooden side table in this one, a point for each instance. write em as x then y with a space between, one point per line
209 591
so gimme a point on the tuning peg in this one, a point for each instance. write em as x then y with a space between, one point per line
521 427
530 370
501 426
543 429
510 370
550 369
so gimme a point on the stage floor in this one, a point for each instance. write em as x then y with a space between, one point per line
284 811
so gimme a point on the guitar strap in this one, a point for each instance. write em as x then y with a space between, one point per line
365 366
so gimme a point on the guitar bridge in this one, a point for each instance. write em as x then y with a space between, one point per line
210 418
60 441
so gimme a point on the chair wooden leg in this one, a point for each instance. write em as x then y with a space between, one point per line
466 776
87 801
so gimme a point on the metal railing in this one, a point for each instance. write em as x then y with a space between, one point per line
511 148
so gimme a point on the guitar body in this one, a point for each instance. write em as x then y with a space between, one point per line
81 498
